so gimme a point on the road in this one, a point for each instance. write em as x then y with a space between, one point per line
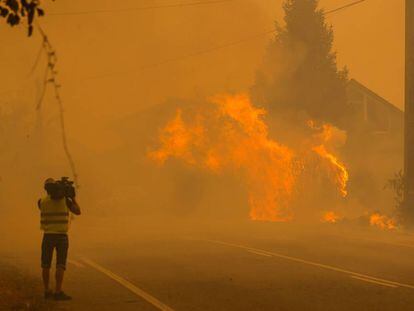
211 271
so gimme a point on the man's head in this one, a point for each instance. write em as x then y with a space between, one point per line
52 189
49 181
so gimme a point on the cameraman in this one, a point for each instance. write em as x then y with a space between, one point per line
54 211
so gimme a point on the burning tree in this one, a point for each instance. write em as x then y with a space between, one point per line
299 75
287 158
230 135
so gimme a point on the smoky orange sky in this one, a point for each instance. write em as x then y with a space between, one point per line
103 57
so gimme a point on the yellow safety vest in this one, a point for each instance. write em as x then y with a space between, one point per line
54 215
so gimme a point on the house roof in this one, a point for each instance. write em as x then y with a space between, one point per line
354 83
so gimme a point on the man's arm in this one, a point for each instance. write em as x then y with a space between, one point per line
73 206
38 203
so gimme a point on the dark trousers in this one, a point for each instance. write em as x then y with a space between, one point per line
52 241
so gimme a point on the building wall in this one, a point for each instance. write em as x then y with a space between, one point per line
374 152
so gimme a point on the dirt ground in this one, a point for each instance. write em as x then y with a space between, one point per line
20 291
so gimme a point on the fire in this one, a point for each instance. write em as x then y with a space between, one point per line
234 137
338 170
177 140
383 222
330 217
231 135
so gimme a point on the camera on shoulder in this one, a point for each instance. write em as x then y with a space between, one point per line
60 189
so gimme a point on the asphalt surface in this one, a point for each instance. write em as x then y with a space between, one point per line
240 272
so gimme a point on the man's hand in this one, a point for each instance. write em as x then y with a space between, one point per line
73 206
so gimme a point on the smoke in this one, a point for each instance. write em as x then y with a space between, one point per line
114 111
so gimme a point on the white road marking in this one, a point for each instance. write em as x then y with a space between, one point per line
136 290
372 281
76 263
390 243
315 264
259 253
358 238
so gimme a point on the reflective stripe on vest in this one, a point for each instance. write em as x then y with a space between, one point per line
54 215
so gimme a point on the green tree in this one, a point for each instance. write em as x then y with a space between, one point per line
299 73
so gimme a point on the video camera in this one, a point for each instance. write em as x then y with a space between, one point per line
60 189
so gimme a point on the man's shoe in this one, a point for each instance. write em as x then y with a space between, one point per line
61 296
49 294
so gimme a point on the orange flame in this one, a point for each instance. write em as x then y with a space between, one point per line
330 217
383 222
340 173
232 135
338 169
177 141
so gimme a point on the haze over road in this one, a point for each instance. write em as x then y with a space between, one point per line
274 269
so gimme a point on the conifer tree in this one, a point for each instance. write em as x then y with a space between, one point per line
300 73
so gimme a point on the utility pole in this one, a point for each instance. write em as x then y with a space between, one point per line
408 208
